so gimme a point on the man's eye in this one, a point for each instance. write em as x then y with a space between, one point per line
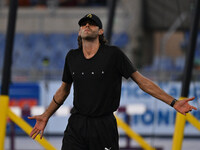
92 23
83 24
89 22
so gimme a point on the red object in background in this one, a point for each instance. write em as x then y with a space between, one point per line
23 102
24 2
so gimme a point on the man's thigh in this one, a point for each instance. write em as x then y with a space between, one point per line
72 142
103 134
74 135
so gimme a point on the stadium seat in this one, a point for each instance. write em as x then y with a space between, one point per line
2 47
160 63
120 39
72 40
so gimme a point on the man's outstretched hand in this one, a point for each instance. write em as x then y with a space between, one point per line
183 107
41 122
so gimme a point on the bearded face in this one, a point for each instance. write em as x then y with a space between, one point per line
89 30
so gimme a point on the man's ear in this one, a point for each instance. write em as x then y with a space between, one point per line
101 31
79 32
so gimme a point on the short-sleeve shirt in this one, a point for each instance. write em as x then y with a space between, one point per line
97 81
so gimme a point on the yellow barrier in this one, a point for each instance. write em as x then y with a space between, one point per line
6 112
133 135
191 119
178 132
27 128
179 128
4 100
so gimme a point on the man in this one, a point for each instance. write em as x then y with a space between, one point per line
96 71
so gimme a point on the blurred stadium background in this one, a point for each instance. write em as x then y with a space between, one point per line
154 34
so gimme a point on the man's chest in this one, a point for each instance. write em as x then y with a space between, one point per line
92 69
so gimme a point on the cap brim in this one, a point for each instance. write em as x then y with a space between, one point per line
84 19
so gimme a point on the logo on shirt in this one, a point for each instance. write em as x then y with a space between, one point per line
83 73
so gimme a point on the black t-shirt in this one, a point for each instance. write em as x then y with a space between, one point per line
97 81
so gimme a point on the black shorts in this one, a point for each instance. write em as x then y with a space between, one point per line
91 133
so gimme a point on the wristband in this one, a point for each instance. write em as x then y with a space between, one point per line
56 102
173 102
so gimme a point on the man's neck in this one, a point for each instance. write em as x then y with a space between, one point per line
90 48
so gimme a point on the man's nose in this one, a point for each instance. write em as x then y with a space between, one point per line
87 24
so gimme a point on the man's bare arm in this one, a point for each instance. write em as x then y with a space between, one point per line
41 120
154 90
151 88
59 97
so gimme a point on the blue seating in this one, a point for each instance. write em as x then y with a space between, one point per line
30 49
2 47
120 39
180 63
186 41
56 39
2 39
72 40
160 63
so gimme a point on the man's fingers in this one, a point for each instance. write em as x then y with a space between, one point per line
33 132
37 132
190 99
194 108
41 134
32 117
191 107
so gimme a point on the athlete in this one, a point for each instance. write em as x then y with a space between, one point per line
96 70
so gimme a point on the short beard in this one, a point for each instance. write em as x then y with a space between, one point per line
89 38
